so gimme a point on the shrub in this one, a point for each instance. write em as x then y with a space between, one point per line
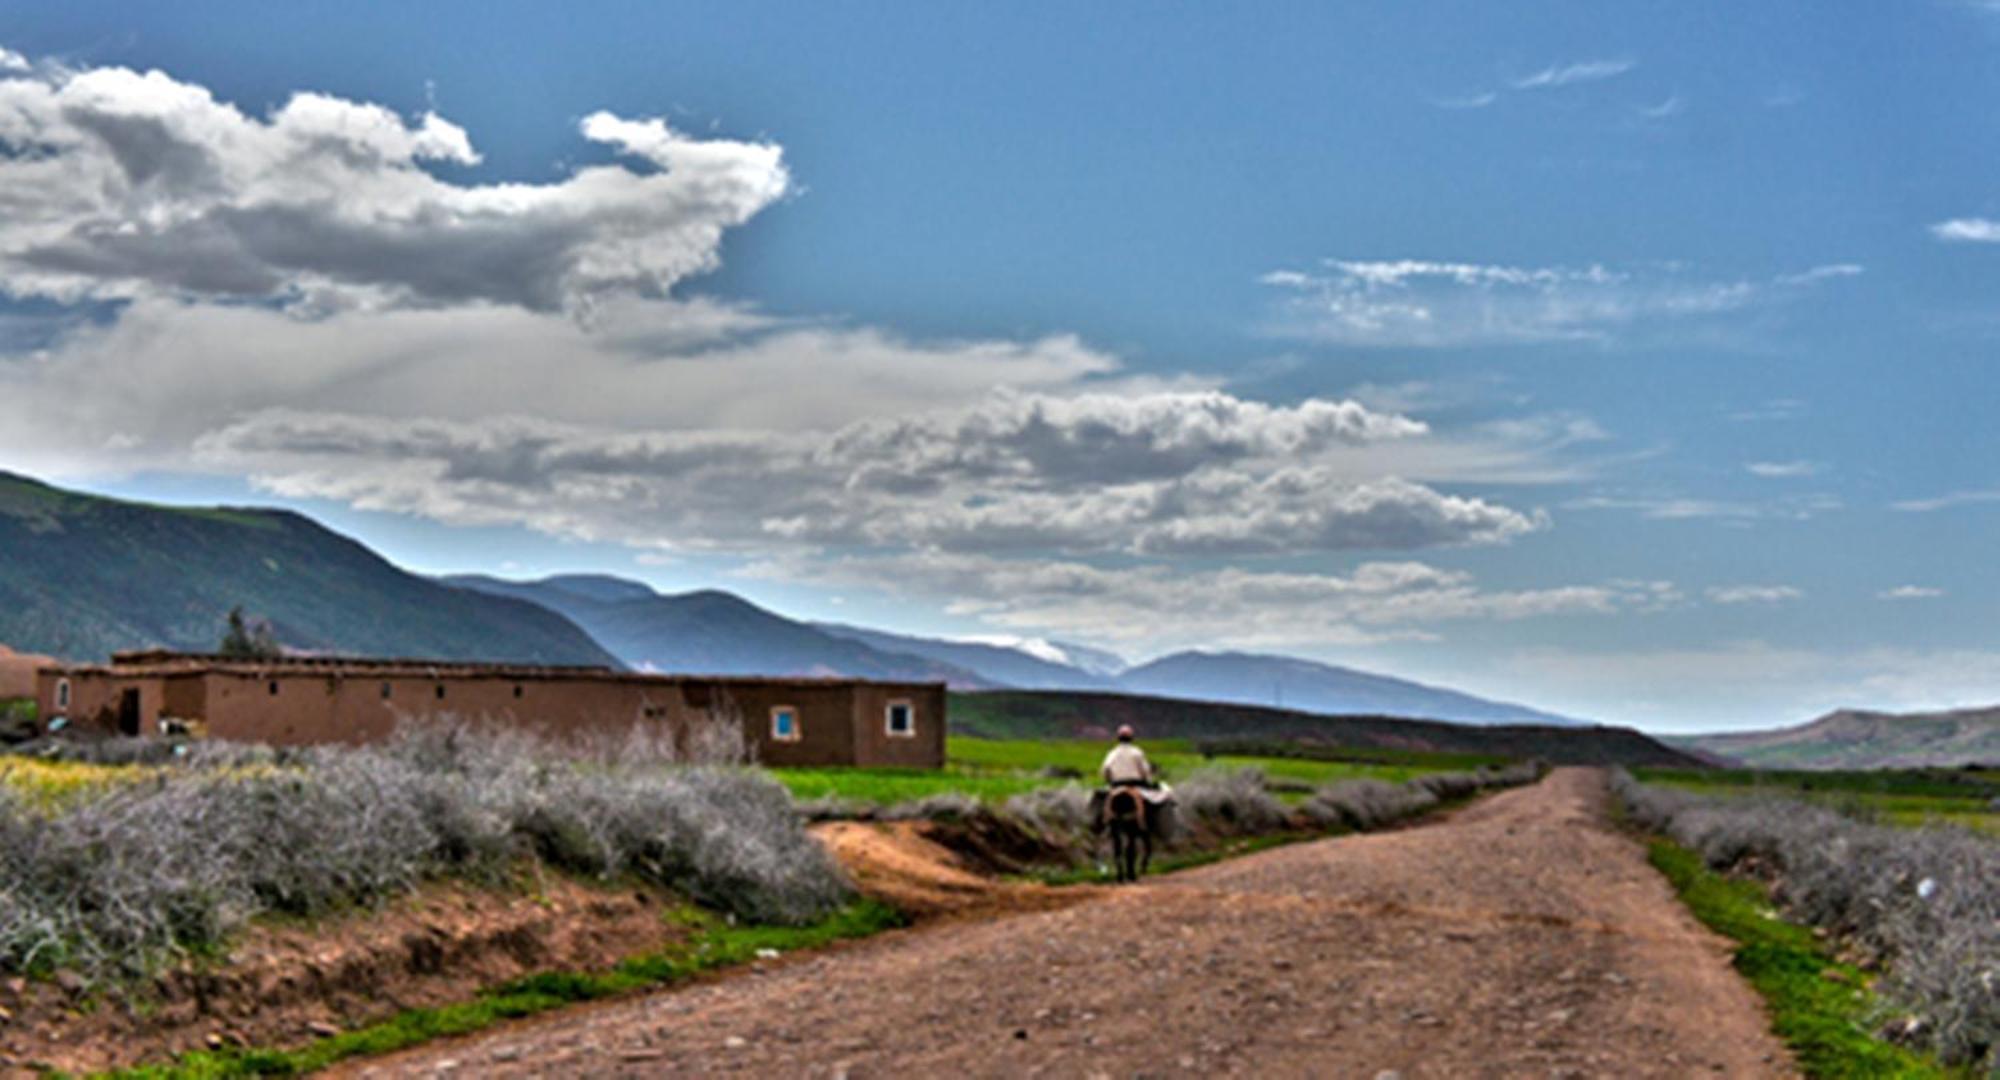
1232 802
1924 903
1367 804
182 857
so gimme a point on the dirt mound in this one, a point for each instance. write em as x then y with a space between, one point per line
286 984
917 867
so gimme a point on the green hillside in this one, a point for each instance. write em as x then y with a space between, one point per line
1056 714
83 576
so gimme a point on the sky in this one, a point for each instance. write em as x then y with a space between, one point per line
1635 361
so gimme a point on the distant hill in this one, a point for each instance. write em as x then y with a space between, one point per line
1020 714
1305 685
83 576
1856 739
1002 665
711 632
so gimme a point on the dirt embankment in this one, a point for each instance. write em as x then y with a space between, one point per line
289 984
1521 936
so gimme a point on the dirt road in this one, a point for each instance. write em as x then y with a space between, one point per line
1520 937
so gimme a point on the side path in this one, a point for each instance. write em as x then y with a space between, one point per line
1520 937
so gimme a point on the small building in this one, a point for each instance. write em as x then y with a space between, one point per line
292 701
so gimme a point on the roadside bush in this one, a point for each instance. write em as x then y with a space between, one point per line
1366 804
1231 802
1053 812
179 859
1923 903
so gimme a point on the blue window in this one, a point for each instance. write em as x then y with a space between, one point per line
785 723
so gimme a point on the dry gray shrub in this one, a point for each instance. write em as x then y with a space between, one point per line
942 806
1367 804
1055 813
1923 904
115 883
1231 802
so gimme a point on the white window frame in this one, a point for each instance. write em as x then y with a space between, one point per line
62 695
798 724
889 718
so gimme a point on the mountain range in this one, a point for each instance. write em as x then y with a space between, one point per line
1858 739
85 576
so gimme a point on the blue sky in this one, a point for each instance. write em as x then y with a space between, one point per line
1630 360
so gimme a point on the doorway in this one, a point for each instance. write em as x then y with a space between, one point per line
128 713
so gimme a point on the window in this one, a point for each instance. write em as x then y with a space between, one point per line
385 691
785 724
274 688
440 691
517 692
62 694
901 720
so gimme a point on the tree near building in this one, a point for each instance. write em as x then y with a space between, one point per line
248 640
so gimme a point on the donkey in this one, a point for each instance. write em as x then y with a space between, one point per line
1130 819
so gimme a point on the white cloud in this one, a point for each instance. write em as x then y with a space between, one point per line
307 298
1672 106
1910 592
1417 303
1158 608
1160 474
1752 594
1681 508
1782 470
1774 409
119 184
1557 75
1968 230
11 61
1948 501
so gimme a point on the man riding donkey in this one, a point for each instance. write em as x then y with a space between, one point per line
1134 806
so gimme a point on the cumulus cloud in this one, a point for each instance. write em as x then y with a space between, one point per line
318 298
1968 230
1910 592
1556 75
1162 473
117 184
1420 303
1156 607
1752 594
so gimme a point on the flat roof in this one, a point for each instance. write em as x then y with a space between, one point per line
168 662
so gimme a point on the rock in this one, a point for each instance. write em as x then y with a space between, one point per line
1388 1074
323 1029
214 1040
71 983
735 1042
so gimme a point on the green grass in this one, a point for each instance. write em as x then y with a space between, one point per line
1819 1006
712 944
1906 797
994 770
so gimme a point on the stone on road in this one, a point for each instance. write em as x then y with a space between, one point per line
1519 937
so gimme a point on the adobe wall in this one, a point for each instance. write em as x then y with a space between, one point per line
922 749
837 723
95 697
17 673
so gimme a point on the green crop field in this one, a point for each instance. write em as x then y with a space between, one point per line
995 769
1907 797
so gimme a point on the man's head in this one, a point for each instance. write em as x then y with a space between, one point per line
1124 733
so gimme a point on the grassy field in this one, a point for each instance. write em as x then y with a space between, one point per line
995 769
1908 797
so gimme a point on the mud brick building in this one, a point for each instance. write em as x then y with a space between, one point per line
292 701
